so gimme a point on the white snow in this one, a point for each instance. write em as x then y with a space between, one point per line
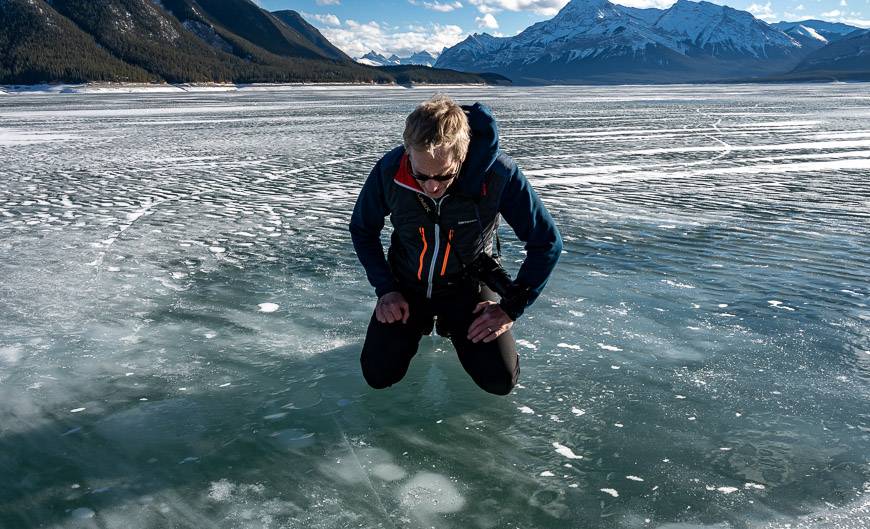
565 451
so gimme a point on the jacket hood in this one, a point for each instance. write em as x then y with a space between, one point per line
482 151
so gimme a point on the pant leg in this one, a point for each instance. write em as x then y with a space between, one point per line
389 347
493 366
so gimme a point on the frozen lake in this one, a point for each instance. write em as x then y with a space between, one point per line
181 314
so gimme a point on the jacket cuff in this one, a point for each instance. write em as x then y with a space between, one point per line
386 289
516 301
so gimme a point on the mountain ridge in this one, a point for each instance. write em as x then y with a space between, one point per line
597 41
175 41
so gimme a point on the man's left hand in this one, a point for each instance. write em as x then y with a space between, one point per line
492 322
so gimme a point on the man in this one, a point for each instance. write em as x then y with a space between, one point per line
444 191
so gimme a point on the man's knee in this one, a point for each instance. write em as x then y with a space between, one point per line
500 385
380 377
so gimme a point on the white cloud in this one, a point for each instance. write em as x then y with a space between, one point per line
830 14
843 3
356 38
540 7
329 19
328 2
438 6
487 21
800 7
763 12
860 22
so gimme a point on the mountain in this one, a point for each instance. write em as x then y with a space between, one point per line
847 59
37 44
421 58
596 41
816 29
712 30
50 41
295 21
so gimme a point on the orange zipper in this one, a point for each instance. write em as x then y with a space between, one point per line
446 253
423 253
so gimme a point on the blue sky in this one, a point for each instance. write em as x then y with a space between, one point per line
407 26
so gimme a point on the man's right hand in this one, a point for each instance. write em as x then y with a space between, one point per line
391 308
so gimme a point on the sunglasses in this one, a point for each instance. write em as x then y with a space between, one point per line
425 177
437 178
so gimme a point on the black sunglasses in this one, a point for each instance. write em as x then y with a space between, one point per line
437 178
425 177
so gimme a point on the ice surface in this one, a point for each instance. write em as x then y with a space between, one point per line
182 316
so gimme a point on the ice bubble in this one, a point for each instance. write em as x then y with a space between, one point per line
77 410
216 249
615 367
275 416
569 346
10 355
83 513
221 490
578 412
428 492
756 486
565 451
609 347
528 344
389 472
679 397
293 438
527 410
268 307
546 474
612 492
727 490
634 478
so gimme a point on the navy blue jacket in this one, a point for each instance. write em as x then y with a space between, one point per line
426 256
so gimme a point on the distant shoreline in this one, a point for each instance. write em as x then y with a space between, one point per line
97 88
131 88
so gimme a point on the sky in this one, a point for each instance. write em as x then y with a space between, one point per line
404 27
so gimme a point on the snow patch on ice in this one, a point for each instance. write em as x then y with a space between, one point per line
428 492
565 451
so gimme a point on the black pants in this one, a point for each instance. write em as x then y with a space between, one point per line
389 347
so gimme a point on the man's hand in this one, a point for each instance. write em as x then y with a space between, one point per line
391 308
492 322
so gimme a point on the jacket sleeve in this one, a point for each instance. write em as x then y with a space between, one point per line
525 213
366 224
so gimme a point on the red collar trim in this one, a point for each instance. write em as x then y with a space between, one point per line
404 177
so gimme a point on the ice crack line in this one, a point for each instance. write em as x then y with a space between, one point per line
364 473
726 146
131 220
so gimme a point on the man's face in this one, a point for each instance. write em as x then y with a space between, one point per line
437 163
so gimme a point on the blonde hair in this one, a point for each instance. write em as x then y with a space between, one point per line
438 123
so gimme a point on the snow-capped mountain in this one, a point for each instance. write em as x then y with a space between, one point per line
820 30
598 41
721 31
421 58
846 58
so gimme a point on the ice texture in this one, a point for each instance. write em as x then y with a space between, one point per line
182 313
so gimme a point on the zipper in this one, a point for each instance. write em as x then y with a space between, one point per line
446 253
422 231
437 246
